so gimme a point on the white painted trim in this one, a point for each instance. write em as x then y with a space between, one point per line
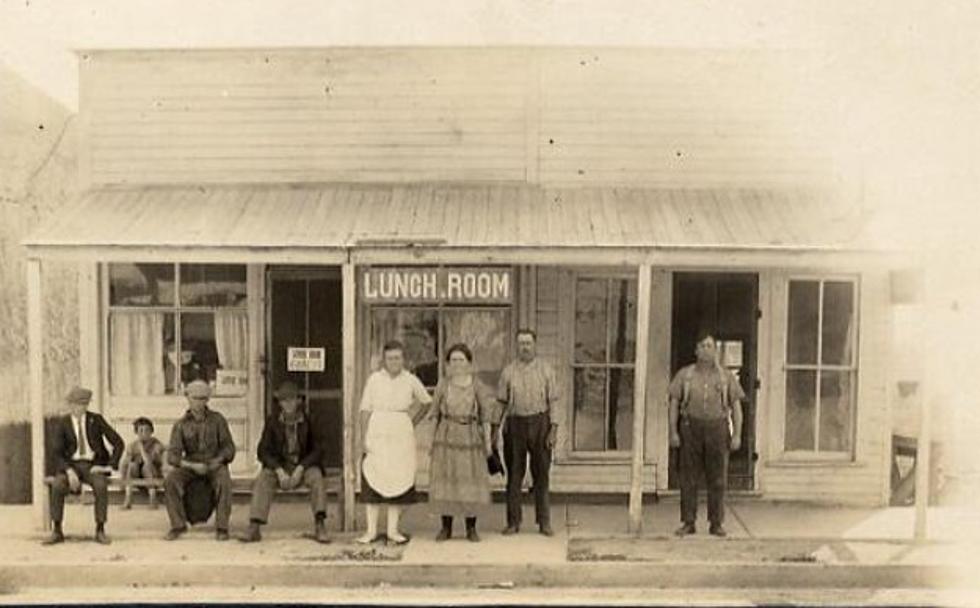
35 366
640 375
349 338
90 333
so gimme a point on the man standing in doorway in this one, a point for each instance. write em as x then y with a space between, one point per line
705 423
528 392
200 446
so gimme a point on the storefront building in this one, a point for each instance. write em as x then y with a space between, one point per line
257 216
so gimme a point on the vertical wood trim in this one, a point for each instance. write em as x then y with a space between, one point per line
89 332
659 372
640 399
532 297
924 443
349 322
85 123
563 358
532 119
257 306
763 372
35 365
777 378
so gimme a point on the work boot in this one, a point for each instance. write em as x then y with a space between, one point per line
100 535
471 534
253 534
320 531
175 533
685 530
55 538
221 534
511 529
718 530
546 530
447 529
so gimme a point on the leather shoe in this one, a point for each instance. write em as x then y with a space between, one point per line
101 538
443 535
472 536
509 530
685 530
174 533
320 533
718 531
56 538
546 530
221 534
253 535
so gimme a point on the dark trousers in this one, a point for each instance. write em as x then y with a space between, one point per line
267 484
177 481
100 488
523 436
704 447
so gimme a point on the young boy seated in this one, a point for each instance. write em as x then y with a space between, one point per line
143 459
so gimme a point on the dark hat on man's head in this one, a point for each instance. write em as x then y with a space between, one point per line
198 389
78 395
287 390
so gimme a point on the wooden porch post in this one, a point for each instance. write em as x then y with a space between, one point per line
640 398
349 332
35 365
923 450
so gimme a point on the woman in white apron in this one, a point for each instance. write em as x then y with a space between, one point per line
389 411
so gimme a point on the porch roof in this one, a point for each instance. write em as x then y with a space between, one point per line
331 222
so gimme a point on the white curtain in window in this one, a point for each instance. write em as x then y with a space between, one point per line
231 338
137 353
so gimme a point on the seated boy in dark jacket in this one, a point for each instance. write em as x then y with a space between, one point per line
290 456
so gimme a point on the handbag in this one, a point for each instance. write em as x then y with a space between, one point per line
494 465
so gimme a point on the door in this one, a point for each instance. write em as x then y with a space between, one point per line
305 308
726 304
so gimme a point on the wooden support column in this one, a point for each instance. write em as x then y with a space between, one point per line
35 366
923 451
644 293
349 332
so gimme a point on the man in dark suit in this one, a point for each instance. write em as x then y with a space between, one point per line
80 456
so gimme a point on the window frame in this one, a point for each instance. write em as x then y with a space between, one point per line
818 367
596 455
175 309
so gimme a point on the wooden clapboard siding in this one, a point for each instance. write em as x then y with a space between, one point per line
286 116
594 477
673 118
670 118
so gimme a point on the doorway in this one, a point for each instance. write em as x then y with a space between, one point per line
305 312
726 304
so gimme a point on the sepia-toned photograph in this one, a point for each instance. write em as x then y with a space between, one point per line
489 303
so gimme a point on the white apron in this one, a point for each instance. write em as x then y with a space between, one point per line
389 465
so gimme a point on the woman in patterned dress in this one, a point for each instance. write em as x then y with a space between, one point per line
463 408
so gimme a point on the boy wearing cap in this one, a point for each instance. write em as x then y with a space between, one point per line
200 446
290 457
80 456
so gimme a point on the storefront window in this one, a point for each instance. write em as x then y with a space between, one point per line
428 332
821 366
147 323
603 362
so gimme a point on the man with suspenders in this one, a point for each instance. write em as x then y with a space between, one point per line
705 423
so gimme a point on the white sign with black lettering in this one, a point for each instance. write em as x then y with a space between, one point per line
299 359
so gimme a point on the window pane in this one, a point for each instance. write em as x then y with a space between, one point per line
804 298
590 321
590 404
835 411
838 319
199 353
622 310
487 333
620 434
801 394
418 330
141 284
139 345
212 285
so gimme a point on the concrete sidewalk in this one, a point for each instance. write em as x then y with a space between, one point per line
764 540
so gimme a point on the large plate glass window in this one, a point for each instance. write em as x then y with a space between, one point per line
821 366
603 364
170 324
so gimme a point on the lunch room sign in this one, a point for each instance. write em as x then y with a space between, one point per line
419 285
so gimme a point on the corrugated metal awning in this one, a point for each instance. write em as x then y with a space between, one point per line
344 218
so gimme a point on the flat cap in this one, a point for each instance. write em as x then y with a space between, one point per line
79 395
198 389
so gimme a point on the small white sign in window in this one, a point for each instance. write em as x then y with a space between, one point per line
301 359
